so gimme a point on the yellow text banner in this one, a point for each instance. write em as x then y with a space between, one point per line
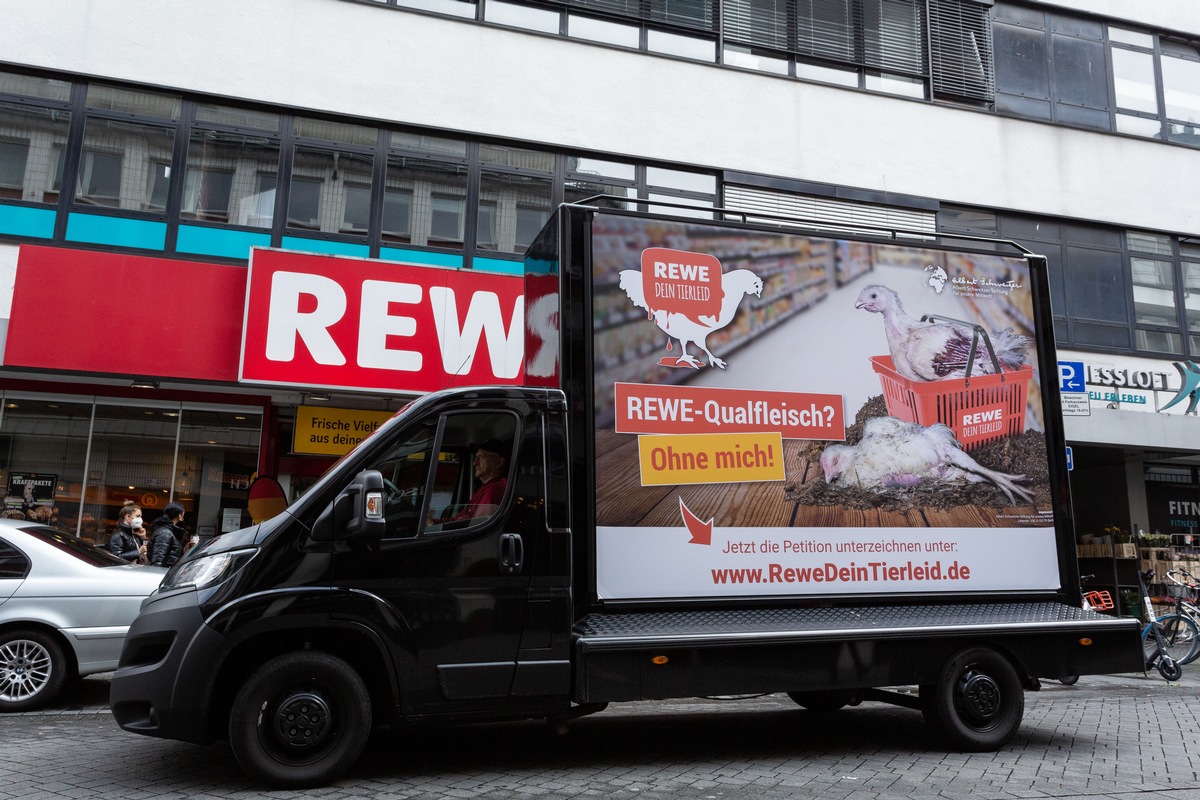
333 431
711 458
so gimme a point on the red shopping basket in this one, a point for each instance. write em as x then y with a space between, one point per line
979 409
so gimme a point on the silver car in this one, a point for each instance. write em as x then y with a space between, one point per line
65 606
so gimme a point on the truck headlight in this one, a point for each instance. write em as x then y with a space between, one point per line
206 570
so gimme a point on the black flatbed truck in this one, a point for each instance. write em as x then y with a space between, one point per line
381 598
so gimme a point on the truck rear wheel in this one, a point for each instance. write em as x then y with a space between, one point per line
300 720
977 702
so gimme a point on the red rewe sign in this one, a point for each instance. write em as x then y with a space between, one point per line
340 322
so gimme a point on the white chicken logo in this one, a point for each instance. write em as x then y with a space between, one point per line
688 297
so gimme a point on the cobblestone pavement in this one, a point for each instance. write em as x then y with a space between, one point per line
1112 737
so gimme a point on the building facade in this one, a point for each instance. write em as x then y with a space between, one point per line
153 156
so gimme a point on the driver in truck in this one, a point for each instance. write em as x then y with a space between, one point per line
490 460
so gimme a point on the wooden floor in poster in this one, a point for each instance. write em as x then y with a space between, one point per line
622 501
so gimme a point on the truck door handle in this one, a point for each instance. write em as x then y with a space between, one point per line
512 552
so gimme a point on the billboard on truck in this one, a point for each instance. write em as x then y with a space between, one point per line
783 415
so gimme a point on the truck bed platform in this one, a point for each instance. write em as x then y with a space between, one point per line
655 655
623 630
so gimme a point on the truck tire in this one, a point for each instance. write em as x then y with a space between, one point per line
300 720
978 701
822 701
33 670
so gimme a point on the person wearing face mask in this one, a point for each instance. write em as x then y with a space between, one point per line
126 541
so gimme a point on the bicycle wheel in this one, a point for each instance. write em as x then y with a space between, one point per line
1195 650
1180 637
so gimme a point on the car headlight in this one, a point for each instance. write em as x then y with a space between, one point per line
206 570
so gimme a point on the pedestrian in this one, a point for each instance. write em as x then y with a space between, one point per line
166 541
126 541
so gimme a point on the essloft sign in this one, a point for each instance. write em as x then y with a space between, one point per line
1146 380
352 323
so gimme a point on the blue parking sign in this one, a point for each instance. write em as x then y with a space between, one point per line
1070 460
1071 376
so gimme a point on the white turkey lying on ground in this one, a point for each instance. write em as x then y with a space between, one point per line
933 351
894 453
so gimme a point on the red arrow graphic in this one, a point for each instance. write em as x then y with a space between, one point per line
701 531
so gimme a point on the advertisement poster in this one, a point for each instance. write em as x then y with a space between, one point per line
784 415
30 495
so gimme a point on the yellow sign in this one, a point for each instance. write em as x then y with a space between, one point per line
333 431
711 458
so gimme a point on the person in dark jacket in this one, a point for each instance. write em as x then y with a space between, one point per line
166 541
126 542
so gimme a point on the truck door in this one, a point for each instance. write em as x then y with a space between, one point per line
455 564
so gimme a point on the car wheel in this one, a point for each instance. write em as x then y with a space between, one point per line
977 702
300 720
33 670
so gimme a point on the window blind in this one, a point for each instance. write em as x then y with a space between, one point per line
961 50
827 211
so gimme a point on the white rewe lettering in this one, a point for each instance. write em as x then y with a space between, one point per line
680 272
375 325
506 349
286 323
542 322
980 417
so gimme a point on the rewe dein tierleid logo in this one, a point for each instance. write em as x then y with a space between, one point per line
687 296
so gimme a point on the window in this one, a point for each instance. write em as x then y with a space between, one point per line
99 178
514 203
12 563
438 169
1166 293
224 176
1191 296
160 183
13 158
474 463
125 165
485 227
587 177
397 215
304 203
530 220
327 191
961 50
31 151
468 483
356 211
446 219
762 23
1137 89
1051 66
258 209
206 194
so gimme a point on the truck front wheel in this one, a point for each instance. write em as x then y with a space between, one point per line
977 702
300 720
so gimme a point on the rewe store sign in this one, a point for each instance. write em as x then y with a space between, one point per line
334 322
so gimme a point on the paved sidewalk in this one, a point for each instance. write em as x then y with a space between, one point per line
1106 738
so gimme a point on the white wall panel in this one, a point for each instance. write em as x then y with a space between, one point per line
1174 15
392 65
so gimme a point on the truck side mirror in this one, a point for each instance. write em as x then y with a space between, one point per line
356 514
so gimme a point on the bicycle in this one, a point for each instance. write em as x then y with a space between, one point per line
1154 638
1182 625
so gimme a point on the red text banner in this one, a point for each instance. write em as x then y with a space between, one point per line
647 409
